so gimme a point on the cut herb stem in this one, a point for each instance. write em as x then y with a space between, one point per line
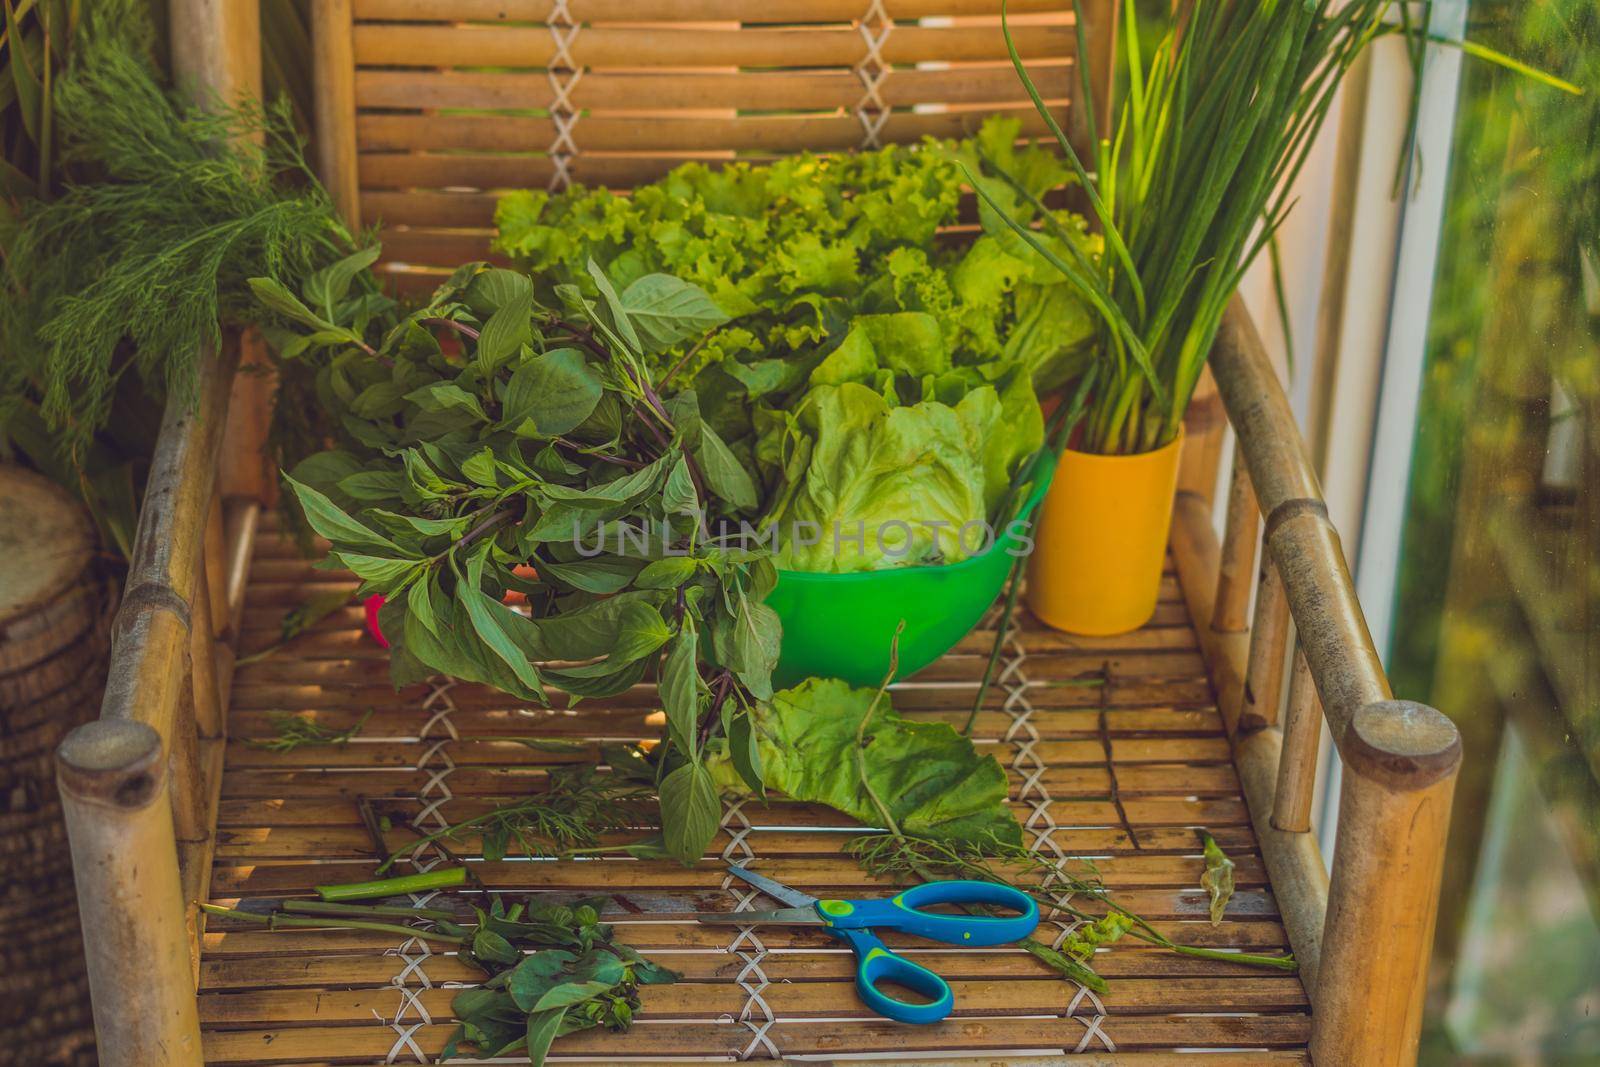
356 911
862 739
278 921
446 878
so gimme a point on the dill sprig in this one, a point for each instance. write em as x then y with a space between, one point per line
579 806
290 732
174 208
903 858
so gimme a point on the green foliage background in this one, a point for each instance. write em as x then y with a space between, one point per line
121 273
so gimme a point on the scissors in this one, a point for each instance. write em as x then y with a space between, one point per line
852 921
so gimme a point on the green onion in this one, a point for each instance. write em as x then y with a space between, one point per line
1189 184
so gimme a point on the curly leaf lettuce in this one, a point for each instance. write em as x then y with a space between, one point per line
798 251
930 778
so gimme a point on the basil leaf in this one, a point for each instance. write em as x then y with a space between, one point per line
640 631
757 640
275 296
612 305
446 397
678 496
328 287
542 1029
680 690
552 394
480 1004
602 575
490 624
488 945
372 485
666 310
690 812
377 569
536 975
668 573
496 287
332 523
597 965
745 753
419 605
725 475
480 469
507 330
600 680
647 973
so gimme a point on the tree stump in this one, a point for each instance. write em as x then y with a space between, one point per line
56 602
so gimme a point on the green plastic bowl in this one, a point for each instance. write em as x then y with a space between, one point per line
842 625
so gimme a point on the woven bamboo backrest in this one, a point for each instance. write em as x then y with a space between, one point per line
428 108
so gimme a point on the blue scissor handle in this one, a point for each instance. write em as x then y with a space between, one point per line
876 963
904 913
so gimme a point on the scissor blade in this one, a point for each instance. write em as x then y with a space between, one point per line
776 890
784 916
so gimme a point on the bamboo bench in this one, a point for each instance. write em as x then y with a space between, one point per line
167 804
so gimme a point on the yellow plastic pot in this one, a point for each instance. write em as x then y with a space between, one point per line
1101 540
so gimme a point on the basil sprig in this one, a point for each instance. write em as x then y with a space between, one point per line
536 515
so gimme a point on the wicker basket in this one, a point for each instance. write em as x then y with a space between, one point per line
55 606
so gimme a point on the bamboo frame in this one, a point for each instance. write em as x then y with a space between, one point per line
1302 736
1366 967
114 794
333 56
140 787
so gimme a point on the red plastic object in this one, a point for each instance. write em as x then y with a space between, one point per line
376 600
373 603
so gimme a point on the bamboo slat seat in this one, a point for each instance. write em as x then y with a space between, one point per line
1118 748
1116 753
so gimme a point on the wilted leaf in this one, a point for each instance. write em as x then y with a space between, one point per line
1218 877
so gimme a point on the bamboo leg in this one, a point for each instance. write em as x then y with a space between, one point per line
188 778
333 56
214 572
1205 431
1269 638
1401 761
240 517
1297 769
1239 537
113 785
1294 862
203 662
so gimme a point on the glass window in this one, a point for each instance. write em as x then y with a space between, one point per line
1497 603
